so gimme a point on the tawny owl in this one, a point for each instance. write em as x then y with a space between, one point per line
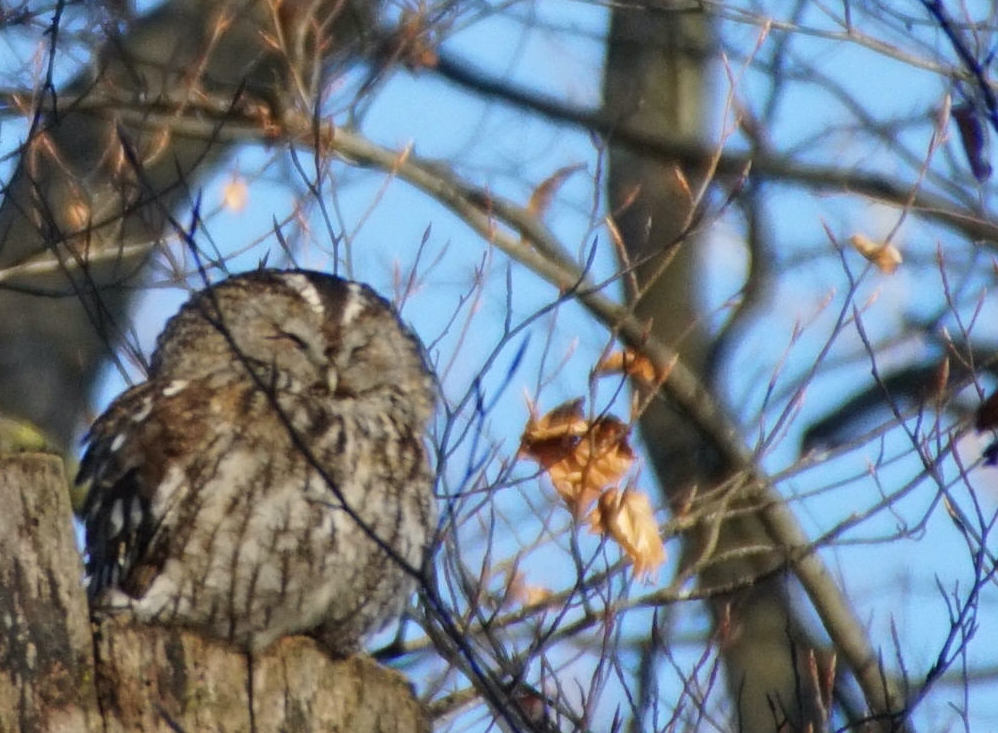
270 477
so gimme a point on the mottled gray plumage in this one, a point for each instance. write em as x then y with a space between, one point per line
218 485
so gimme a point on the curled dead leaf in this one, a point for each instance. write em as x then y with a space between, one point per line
235 195
885 257
580 457
635 365
565 420
526 594
541 196
600 458
627 517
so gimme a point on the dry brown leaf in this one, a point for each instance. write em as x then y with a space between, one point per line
888 259
885 257
540 199
601 457
235 195
627 517
525 594
635 365
580 458
567 419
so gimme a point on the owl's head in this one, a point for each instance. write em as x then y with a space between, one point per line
300 328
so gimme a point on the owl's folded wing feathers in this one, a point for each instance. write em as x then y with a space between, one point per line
127 451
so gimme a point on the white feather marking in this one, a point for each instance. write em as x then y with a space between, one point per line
119 440
354 304
306 290
135 513
143 412
117 518
174 387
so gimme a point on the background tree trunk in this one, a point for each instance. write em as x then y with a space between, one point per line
656 83
109 164
60 673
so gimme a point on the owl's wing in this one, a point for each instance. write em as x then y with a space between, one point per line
128 452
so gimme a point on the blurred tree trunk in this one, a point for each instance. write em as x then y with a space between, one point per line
656 82
59 674
113 157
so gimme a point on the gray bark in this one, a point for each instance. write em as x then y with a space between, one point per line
46 649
